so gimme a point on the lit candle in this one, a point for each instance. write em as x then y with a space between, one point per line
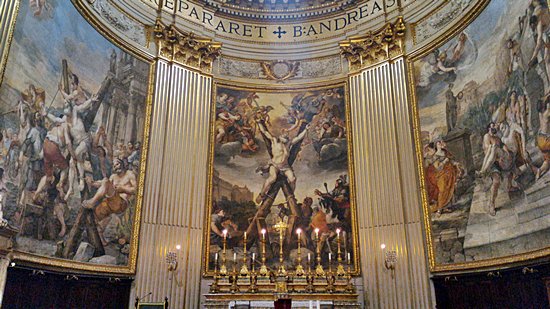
349 258
299 231
317 233
338 234
245 236
253 257
309 257
263 234
224 232
234 257
216 257
329 257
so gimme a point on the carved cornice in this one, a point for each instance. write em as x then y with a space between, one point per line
185 48
375 47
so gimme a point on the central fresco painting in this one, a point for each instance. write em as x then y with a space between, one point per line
484 137
281 156
73 109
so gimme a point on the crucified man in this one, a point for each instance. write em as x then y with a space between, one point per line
280 152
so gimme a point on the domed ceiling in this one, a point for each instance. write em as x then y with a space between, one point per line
278 9
276 29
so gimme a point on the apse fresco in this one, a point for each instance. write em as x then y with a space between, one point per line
280 156
483 104
72 113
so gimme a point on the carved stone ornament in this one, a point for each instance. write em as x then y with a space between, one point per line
185 48
280 70
375 47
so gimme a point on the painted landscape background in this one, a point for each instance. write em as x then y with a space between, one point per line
314 125
484 119
72 113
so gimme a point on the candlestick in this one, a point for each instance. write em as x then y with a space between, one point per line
263 268
330 263
309 262
281 227
223 268
244 268
214 287
299 268
234 264
340 269
319 268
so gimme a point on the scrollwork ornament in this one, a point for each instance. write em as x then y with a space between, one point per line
280 70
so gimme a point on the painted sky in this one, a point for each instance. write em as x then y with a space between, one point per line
497 22
241 169
40 43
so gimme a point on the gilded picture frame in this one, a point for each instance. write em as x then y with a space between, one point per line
289 90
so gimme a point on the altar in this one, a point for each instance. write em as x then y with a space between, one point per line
239 286
267 300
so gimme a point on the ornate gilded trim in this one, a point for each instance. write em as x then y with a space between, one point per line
271 69
184 48
7 34
384 44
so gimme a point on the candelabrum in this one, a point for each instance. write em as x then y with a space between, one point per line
214 288
390 259
349 287
340 271
299 269
223 267
281 227
319 271
253 276
244 269
263 268
172 261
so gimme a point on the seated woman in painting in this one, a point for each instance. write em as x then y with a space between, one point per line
442 174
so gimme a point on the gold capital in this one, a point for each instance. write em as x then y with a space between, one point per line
384 44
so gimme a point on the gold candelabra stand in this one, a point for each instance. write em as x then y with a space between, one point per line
340 271
263 268
244 269
314 280
223 267
281 227
319 271
299 269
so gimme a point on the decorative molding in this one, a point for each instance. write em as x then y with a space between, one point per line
280 70
185 48
439 19
308 69
119 21
375 47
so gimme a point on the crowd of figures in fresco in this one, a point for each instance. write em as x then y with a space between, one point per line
70 155
281 161
483 99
